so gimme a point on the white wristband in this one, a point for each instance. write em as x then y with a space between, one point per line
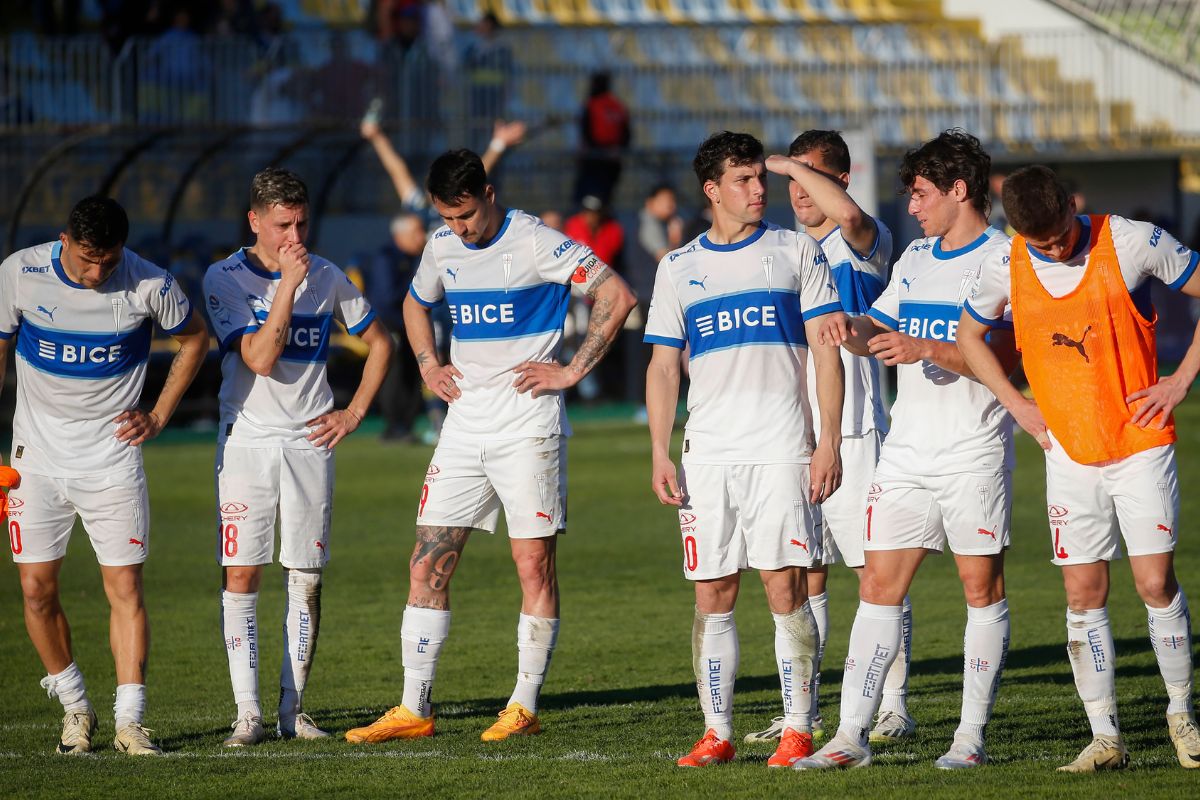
497 144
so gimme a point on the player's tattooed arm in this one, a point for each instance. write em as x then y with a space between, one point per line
136 426
613 300
419 330
433 561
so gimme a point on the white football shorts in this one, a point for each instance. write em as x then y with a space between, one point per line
467 483
751 516
114 507
1092 507
252 483
970 512
845 514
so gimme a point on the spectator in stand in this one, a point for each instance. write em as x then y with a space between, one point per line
487 64
660 230
340 88
386 277
605 133
553 219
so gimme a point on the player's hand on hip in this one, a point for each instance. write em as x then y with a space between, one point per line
544 377
440 380
1161 399
894 348
137 426
665 483
835 329
332 427
824 473
1030 418
293 262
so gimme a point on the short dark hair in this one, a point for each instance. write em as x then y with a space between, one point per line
456 174
1035 200
98 223
954 155
739 149
276 186
659 188
829 144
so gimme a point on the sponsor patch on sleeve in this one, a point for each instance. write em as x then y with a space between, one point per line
587 269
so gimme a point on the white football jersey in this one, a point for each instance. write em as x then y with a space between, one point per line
740 309
859 280
1144 251
273 411
508 300
942 423
81 356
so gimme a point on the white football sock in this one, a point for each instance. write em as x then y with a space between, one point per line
819 603
795 653
536 637
715 662
895 685
68 687
301 622
239 625
1093 661
1171 635
874 642
423 631
130 706
985 648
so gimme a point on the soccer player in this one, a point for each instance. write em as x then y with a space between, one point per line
507 279
272 307
82 310
859 249
1079 290
747 298
944 473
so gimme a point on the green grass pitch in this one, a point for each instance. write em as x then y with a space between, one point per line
620 703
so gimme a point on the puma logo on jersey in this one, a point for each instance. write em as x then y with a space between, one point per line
986 532
1163 528
138 542
453 273
48 312
699 283
802 545
1066 341
543 515
320 545
907 284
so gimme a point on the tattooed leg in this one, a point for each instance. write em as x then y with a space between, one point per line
433 561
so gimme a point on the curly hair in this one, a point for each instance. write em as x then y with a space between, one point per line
954 155
98 223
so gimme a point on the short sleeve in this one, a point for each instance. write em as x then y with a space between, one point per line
168 305
817 293
427 287
559 259
1152 252
228 312
350 307
10 313
886 308
665 322
990 298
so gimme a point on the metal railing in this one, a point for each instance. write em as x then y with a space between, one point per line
903 82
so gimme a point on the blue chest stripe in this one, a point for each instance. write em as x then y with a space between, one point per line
88 356
749 318
494 314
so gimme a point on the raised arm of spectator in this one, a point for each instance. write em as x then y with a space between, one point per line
393 163
504 136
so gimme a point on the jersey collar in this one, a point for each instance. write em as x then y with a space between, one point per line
260 272
500 233
729 248
1084 241
56 262
946 255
